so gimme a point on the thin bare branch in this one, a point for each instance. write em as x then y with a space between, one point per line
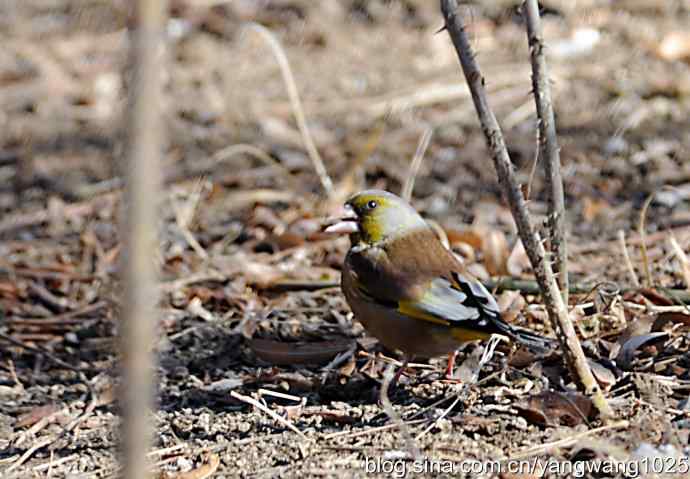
142 173
548 144
553 300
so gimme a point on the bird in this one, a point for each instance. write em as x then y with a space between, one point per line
407 289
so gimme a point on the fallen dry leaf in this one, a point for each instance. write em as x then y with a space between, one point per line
511 304
282 353
36 414
338 417
630 347
602 374
553 408
668 319
468 236
595 208
518 261
495 250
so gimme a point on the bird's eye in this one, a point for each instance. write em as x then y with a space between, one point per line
372 204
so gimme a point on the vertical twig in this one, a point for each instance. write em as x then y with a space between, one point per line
416 163
642 231
628 262
140 220
553 300
548 144
293 94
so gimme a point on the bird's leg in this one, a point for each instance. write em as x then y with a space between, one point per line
451 366
394 382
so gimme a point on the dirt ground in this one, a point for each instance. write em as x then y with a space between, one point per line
250 305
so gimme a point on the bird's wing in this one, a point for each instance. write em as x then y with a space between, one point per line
452 301
438 295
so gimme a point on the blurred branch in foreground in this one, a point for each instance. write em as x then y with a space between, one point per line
142 173
553 300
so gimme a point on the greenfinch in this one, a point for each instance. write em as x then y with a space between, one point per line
407 289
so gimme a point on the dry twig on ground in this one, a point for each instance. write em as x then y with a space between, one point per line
143 177
553 300
548 145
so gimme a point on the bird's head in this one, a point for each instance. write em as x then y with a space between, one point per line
373 216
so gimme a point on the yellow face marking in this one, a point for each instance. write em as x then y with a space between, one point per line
372 228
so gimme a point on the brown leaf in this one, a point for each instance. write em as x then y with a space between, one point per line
495 250
655 297
518 261
667 319
282 353
338 417
36 414
9 290
106 396
511 303
470 237
602 374
348 368
522 358
628 350
594 208
637 326
554 408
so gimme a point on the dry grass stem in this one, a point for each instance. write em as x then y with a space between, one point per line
487 354
41 443
298 111
416 164
641 230
185 211
535 162
682 259
628 262
373 430
568 441
272 414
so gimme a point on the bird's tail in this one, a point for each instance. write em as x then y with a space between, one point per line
530 339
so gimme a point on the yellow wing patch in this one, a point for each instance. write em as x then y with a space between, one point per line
464 334
410 308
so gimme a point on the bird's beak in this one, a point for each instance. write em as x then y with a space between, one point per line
345 221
